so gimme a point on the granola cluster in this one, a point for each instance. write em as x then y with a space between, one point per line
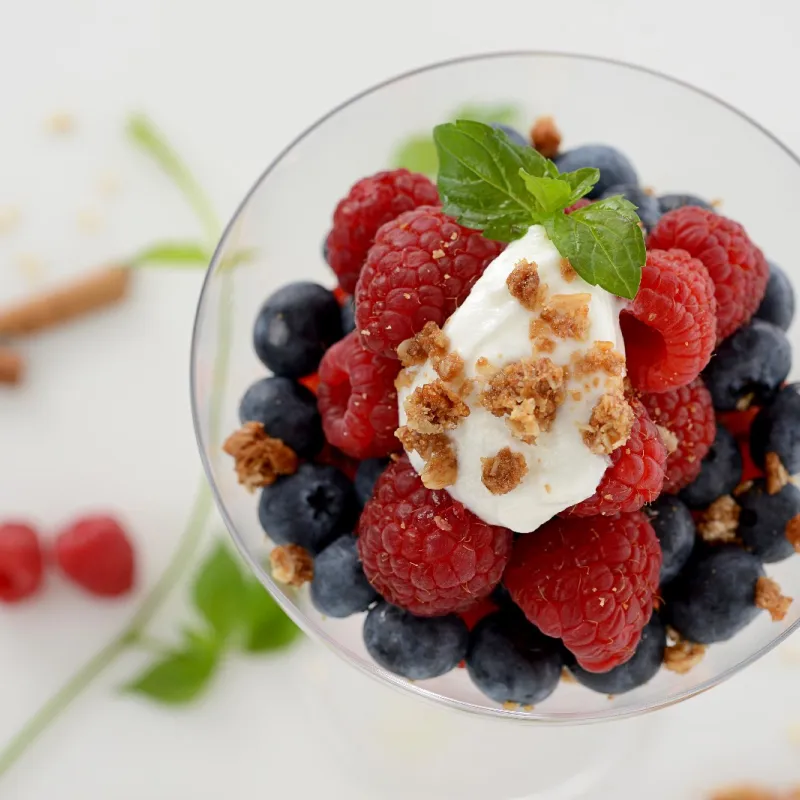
259 459
434 408
568 314
720 521
503 472
524 284
610 424
441 464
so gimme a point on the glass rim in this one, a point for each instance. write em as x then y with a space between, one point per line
305 623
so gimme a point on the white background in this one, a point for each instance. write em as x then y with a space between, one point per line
103 419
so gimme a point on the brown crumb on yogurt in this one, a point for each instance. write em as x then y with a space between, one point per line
567 271
291 564
544 344
434 408
259 459
777 474
430 341
546 137
449 367
669 439
524 284
600 357
503 472
441 463
793 532
610 424
720 521
568 314
770 598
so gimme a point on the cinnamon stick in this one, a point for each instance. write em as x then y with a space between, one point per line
82 296
11 367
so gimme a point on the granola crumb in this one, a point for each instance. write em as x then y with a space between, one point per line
770 598
742 488
484 368
749 792
60 123
576 395
291 564
744 403
502 473
259 459
441 463
524 284
793 532
404 378
682 656
546 137
568 314
449 367
437 254
610 424
777 474
567 271
543 344
720 520
527 707
430 341
510 705
529 393
567 676
9 218
600 357
669 438
434 408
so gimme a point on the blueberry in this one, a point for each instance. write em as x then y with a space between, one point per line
777 306
642 666
367 476
647 206
288 411
763 520
512 134
339 587
348 314
776 429
295 326
669 202
750 365
720 472
675 529
714 597
510 660
502 596
310 508
414 647
614 167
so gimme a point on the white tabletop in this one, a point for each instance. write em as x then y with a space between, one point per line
103 420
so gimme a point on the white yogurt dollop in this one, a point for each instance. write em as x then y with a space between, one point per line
492 324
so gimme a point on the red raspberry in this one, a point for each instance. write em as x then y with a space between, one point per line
421 268
371 202
477 611
357 399
738 422
590 582
21 562
686 413
97 554
582 203
736 266
423 551
636 473
670 328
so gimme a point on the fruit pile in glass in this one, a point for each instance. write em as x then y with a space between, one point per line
540 429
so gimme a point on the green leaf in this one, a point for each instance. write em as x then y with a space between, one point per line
552 194
219 591
418 154
603 242
147 136
266 626
176 254
581 181
505 114
181 675
479 178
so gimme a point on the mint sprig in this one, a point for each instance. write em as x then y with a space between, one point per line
489 183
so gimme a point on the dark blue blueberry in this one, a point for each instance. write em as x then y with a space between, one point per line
776 429
720 472
714 596
614 167
510 660
763 520
512 134
367 476
675 529
339 587
502 596
647 206
777 306
288 411
295 326
642 666
348 315
669 202
749 365
414 647
310 508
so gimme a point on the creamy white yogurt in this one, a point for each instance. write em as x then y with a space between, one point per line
494 325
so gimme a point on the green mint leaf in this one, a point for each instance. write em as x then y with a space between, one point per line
175 254
219 592
581 181
603 242
505 114
552 194
417 154
181 675
146 135
266 626
479 178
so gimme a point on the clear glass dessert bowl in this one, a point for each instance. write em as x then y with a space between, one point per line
680 139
